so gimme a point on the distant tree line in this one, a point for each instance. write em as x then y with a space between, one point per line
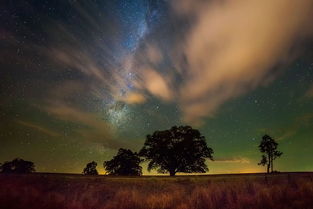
179 149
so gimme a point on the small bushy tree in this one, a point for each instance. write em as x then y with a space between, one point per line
17 166
91 169
125 163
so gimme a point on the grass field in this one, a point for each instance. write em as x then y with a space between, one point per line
249 191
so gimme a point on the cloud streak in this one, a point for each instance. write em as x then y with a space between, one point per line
38 128
232 160
90 126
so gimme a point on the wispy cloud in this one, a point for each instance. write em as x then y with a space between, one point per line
289 131
133 98
309 92
38 128
232 160
91 127
156 84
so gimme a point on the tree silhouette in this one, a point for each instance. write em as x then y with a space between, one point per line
91 169
268 146
179 149
17 166
125 163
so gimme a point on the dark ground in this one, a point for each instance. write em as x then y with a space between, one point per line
235 191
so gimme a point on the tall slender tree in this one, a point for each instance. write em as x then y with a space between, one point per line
268 146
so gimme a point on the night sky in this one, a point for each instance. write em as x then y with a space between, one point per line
81 79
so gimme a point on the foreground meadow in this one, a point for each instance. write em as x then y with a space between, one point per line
253 191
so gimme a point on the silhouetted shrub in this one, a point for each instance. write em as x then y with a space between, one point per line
125 163
17 166
91 169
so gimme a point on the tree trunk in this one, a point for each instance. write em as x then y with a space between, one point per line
269 162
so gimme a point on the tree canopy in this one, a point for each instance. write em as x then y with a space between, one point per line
125 163
91 169
17 166
269 146
179 149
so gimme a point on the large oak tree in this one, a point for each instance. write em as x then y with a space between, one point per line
179 149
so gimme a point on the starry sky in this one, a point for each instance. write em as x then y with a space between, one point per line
81 79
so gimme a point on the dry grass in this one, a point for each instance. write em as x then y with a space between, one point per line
47 191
